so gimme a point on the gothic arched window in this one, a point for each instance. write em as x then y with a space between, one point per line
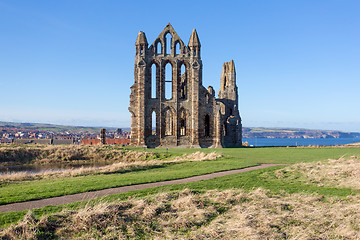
153 81
168 39
177 48
168 81
183 82
158 48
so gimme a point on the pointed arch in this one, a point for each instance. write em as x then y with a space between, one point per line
168 81
183 82
154 79
168 41
158 47
177 47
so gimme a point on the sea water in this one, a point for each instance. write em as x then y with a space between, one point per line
263 142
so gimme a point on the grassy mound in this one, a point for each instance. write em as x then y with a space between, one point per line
340 173
229 214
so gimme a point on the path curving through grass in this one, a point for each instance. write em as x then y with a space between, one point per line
105 192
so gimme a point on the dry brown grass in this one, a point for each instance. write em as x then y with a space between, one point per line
68 153
197 156
126 163
230 214
81 171
12 154
295 216
341 172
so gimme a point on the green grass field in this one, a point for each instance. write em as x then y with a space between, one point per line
234 158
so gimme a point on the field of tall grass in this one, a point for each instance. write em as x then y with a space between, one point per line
123 164
340 172
228 214
35 154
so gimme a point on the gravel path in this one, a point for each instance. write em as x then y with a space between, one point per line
100 193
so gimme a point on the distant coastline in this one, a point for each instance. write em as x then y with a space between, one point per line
248 132
296 133
293 142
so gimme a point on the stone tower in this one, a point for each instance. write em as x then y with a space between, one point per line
228 101
170 107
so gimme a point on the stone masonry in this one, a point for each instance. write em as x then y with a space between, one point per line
170 107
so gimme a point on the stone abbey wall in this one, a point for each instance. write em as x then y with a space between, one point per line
169 105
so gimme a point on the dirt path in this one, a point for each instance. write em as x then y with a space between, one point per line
100 193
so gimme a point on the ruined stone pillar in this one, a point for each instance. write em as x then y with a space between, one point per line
103 136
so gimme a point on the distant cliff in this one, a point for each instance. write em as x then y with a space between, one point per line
249 132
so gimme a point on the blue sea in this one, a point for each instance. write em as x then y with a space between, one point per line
263 142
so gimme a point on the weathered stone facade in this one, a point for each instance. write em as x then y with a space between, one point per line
175 110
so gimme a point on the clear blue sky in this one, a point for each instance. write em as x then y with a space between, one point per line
72 61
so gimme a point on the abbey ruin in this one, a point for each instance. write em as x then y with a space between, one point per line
170 107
